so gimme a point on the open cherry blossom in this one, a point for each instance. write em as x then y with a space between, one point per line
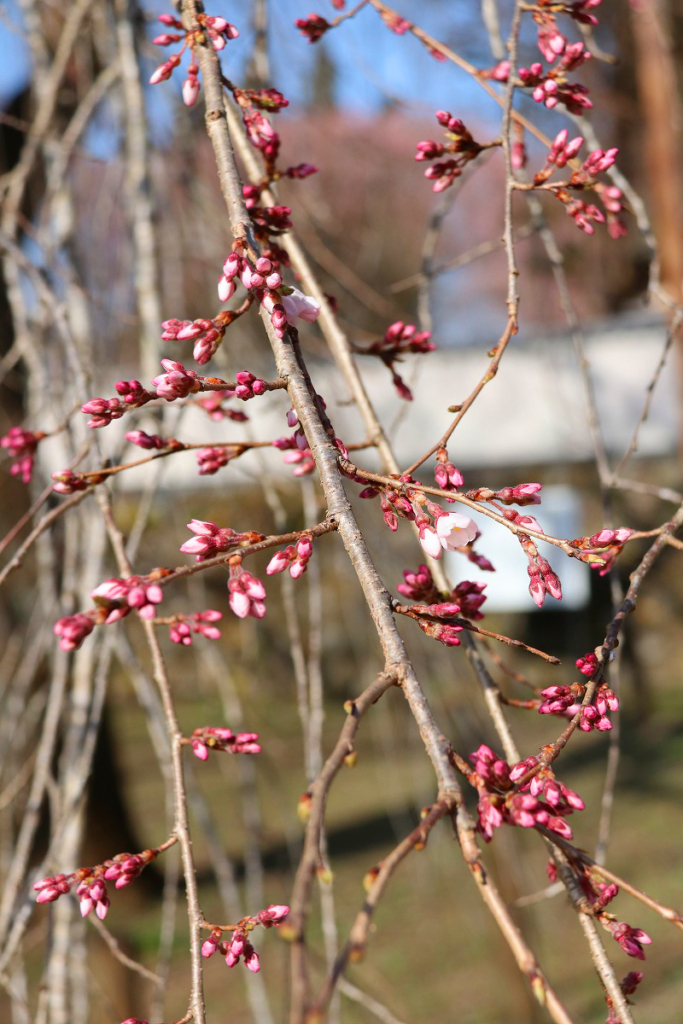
455 530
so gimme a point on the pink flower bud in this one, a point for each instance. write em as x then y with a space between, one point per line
240 604
226 289
200 750
190 91
251 960
304 547
297 569
430 542
279 561
273 915
209 946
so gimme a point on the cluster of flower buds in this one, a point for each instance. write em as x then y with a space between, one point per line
394 506
73 629
561 152
596 716
419 585
467 597
124 868
630 939
68 482
551 42
399 339
435 620
21 445
562 700
260 275
313 27
270 220
446 475
248 385
552 87
114 599
584 177
120 596
522 494
587 665
206 334
542 578
451 531
90 883
247 594
176 382
210 460
261 133
104 410
184 626
264 276
263 99
214 738
151 442
612 198
544 802
438 609
51 888
294 558
300 458
446 633
602 548
585 215
238 945
460 145
544 784
210 540
566 701
470 596
605 895
219 32
93 896
296 450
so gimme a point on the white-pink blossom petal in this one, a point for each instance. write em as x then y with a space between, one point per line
455 530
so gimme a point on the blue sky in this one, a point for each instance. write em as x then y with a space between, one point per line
373 65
